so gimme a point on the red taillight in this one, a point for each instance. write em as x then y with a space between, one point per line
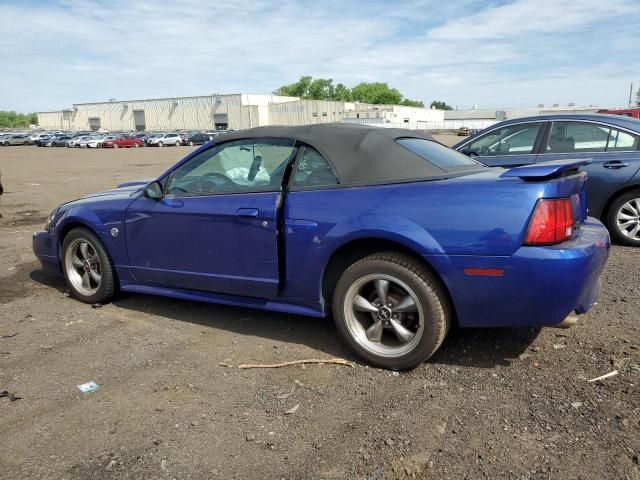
552 222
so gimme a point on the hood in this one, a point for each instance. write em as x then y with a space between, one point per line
123 191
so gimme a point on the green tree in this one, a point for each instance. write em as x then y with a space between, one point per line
440 105
17 120
343 93
297 89
412 103
321 89
376 93
324 89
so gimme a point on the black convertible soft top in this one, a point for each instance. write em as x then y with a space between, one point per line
359 154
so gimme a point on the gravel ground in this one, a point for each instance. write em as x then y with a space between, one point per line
490 404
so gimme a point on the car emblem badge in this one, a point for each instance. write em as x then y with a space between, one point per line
384 313
114 232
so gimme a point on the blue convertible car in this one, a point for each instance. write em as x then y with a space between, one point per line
395 234
611 142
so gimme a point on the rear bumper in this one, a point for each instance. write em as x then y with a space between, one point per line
45 247
540 286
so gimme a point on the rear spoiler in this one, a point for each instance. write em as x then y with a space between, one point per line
540 171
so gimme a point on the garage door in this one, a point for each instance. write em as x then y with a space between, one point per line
94 123
221 121
138 119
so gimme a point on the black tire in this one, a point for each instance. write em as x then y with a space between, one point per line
107 288
160 144
612 215
430 294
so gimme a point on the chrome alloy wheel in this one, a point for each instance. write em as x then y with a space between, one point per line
628 219
383 315
83 267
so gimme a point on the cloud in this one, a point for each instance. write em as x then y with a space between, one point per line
522 52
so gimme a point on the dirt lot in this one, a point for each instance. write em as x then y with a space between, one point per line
490 404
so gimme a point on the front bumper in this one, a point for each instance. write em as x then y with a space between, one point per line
45 247
540 286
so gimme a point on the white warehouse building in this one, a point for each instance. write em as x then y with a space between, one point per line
232 111
479 118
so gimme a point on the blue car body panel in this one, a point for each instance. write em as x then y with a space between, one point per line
271 250
606 179
227 243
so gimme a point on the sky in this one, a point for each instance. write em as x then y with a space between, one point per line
465 52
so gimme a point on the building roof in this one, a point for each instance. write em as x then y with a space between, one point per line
359 154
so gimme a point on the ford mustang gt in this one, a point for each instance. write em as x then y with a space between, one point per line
395 235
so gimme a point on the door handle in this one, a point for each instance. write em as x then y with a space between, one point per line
247 212
615 164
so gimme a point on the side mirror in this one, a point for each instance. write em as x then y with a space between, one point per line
153 191
465 150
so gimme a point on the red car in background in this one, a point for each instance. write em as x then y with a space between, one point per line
125 141
627 112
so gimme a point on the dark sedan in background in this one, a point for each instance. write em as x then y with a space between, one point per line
59 141
196 139
612 143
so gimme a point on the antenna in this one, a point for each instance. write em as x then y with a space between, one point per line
630 94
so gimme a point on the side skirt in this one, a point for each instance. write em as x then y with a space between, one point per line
224 300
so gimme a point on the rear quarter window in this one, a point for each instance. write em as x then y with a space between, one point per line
439 155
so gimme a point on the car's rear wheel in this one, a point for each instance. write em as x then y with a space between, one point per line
623 219
177 144
87 267
191 143
136 145
391 310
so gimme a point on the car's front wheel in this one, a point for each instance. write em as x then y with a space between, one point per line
87 267
391 310
160 144
623 219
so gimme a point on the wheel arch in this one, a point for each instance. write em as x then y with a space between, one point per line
64 230
71 225
612 198
354 250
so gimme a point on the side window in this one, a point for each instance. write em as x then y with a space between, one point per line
511 140
577 137
249 165
313 170
620 141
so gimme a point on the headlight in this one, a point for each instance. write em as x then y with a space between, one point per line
47 225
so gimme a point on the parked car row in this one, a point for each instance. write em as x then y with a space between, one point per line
87 139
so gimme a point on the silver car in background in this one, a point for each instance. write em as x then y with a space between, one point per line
16 139
75 142
165 139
